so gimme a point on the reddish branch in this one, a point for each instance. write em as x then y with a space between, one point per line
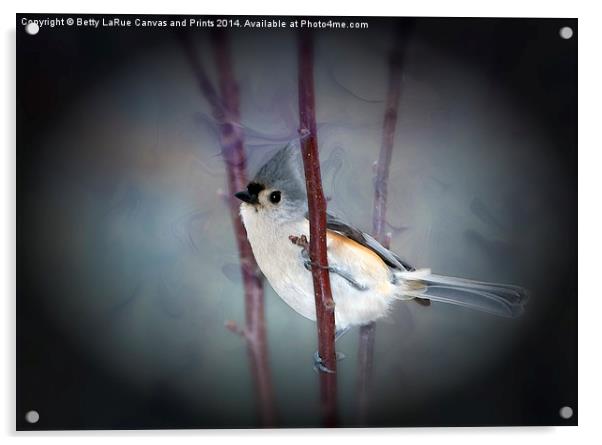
365 358
317 230
226 111
386 151
368 332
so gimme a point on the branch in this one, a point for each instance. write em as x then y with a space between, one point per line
365 358
368 332
386 149
226 110
317 229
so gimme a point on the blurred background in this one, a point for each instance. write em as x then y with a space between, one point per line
127 267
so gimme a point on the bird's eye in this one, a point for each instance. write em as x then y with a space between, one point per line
275 197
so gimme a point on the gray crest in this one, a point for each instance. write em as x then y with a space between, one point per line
284 172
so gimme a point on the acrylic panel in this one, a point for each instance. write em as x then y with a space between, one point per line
143 300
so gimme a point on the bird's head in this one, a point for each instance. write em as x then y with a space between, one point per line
277 190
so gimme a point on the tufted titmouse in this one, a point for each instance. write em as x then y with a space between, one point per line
365 277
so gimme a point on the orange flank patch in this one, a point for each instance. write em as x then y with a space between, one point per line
348 247
361 256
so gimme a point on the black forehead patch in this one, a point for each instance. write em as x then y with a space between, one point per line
254 188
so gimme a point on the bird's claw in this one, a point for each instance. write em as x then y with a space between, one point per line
319 365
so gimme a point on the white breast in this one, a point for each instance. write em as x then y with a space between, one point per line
280 260
282 264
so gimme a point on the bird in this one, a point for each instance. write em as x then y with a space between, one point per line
366 278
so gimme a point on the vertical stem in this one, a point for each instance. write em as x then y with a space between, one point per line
226 111
317 226
368 332
381 180
233 152
365 357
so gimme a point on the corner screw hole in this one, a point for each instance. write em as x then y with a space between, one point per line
32 28
566 32
32 416
566 412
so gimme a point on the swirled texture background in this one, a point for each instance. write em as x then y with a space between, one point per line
127 266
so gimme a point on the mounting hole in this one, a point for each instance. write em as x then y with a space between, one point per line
566 412
32 416
566 32
32 28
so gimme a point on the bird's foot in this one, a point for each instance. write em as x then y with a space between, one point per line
302 242
319 365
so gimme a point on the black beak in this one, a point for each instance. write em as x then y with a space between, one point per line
247 197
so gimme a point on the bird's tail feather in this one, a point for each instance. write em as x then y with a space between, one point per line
499 299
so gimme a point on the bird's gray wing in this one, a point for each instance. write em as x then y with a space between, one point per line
392 260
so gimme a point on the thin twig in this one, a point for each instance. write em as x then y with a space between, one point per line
381 180
226 111
365 358
317 226
368 332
